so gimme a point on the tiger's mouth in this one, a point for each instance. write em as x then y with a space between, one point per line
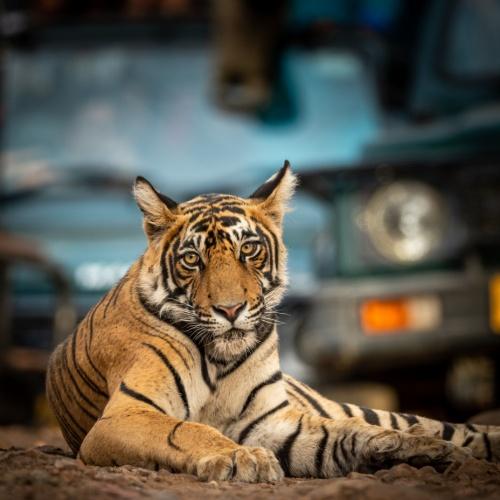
231 344
233 334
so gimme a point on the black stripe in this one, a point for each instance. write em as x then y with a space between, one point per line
171 346
89 343
171 269
345 452
283 454
171 435
66 368
175 373
249 428
448 431
336 455
370 416
234 471
66 413
354 440
347 409
394 422
61 401
309 398
245 356
90 335
91 312
291 394
71 437
92 364
164 338
269 250
471 427
228 207
204 368
487 446
337 448
71 396
410 419
271 380
86 379
228 220
320 453
163 267
275 248
468 440
199 227
216 361
114 292
195 209
183 328
140 397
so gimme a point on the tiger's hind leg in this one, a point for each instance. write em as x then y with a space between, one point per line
483 441
310 445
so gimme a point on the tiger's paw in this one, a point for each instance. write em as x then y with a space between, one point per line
250 465
418 451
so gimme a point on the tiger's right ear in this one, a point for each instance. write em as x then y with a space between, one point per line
159 210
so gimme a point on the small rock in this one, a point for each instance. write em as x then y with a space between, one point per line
64 463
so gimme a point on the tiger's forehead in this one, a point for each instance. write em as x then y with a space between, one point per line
214 204
217 217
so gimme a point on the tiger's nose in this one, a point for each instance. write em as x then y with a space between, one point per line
229 312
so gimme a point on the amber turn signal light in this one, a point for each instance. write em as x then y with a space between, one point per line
397 315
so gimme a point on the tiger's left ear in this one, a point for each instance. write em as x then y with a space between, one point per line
274 195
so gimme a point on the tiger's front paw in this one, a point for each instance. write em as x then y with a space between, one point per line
251 465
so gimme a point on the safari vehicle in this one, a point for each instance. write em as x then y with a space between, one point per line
411 257
410 263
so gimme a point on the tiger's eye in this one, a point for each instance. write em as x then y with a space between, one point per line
191 258
249 249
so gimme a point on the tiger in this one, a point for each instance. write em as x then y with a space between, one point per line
177 366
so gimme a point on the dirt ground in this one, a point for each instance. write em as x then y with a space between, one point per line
36 465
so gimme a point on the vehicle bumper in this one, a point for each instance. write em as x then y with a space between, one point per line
333 339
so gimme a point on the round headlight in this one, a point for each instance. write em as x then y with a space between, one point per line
406 221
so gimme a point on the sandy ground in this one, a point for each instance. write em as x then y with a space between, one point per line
35 464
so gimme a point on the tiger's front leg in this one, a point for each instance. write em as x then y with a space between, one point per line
146 424
310 445
145 438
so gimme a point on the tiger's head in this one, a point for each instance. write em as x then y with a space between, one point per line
215 265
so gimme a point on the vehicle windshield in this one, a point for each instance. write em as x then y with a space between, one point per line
149 108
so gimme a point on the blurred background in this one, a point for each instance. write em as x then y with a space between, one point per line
389 110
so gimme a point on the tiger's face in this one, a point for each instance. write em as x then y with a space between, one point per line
216 265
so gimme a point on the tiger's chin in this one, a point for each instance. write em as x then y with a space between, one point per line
231 344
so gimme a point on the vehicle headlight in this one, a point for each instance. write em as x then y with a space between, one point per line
406 221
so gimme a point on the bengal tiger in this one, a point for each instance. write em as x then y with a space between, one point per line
177 366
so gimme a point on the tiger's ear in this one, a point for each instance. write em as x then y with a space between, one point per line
158 209
274 195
